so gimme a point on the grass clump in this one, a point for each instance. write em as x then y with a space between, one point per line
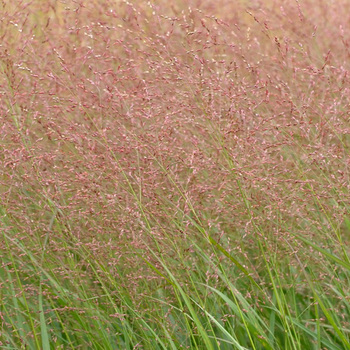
174 176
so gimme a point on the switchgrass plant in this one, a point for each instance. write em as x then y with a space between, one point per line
174 175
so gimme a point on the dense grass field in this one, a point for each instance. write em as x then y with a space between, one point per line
175 174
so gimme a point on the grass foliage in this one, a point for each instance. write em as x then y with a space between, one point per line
175 175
